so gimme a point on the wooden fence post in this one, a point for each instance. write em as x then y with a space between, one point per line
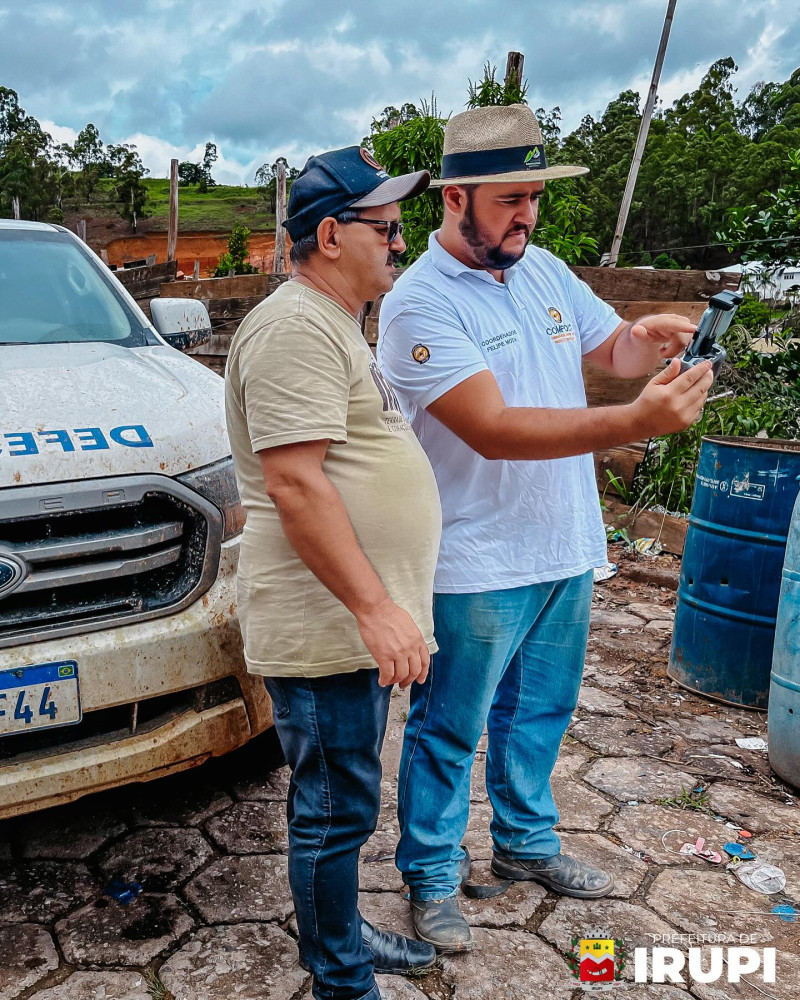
172 235
514 64
15 206
81 228
280 216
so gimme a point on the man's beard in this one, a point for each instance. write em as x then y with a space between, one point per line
488 255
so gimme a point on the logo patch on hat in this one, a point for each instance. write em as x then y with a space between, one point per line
369 159
420 353
533 157
555 314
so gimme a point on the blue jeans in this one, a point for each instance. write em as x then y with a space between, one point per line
512 658
331 730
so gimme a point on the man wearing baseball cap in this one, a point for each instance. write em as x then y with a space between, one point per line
334 608
483 338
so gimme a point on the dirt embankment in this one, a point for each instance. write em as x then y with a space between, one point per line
205 247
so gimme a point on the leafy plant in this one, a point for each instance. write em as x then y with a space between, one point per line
696 799
236 259
415 144
562 228
489 91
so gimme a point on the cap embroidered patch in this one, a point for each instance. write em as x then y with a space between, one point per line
420 353
369 159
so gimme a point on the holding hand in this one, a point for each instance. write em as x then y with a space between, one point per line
669 331
671 402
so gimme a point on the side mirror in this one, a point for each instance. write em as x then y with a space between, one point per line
183 323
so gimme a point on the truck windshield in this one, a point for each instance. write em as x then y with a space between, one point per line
52 292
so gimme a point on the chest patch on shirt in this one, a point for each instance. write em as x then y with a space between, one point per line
560 332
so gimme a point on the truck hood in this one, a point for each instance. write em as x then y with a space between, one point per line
84 411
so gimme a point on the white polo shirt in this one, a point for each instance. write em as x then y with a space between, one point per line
505 523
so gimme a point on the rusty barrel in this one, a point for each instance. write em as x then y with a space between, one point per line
731 569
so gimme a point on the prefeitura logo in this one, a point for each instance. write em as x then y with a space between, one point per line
597 960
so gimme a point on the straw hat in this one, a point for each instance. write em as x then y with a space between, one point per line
496 145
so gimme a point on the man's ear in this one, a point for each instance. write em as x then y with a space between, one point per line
454 198
329 238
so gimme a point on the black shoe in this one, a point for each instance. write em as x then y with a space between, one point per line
441 923
394 954
561 873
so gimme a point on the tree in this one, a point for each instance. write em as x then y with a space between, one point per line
209 159
236 259
416 144
129 190
266 180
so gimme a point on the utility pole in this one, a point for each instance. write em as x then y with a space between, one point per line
172 232
280 217
641 139
15 206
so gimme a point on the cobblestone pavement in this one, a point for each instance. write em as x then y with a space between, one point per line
214 920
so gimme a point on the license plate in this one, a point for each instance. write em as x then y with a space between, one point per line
39 696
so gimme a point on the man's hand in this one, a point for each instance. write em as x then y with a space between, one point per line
395 643
671 402
669 331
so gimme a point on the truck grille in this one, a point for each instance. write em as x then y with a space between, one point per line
103 553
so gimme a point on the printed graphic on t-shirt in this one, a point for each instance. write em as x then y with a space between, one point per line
561 331
393 417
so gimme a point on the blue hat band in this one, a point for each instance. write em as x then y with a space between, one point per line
494 161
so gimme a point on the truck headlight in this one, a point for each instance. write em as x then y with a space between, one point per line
217 483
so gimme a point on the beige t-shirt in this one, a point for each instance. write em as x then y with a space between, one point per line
299 369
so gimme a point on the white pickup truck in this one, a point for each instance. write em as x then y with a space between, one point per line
120 521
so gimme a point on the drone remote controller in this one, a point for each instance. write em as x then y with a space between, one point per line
713 323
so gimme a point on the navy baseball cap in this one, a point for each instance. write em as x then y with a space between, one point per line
345 178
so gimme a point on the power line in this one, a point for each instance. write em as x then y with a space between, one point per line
704 246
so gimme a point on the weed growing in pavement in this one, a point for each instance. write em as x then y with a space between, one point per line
689 799
155 987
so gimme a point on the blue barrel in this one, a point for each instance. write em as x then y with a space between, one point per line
731 568
784 690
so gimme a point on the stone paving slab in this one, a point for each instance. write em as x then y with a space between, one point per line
715 901
579 807
787 976
42 891
27 954
638 779
82 829
621 736
160 858
578 917
650 611
271 787
627 870
245 962
379 876
105 933
251 828
597 701
642 827
608 618
106 985
514 908
243 887
785 853
505 965
176 802
398 988
387 910
754 811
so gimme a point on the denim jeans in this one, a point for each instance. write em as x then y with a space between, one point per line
512 659
331 730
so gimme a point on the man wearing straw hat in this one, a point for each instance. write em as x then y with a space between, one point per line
483 338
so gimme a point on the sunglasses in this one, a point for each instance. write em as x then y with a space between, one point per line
393 229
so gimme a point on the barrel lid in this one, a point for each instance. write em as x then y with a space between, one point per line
761 444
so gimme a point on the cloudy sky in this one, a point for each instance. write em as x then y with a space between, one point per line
263 78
